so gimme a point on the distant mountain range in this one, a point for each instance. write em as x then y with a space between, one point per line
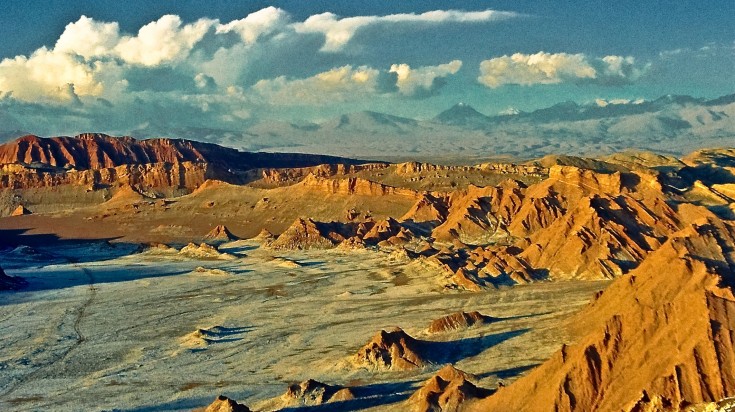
671 124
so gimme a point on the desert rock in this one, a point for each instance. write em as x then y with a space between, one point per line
458 320
220 234
204 251
225 404
447 391
20 211
311 392
681 316
391 350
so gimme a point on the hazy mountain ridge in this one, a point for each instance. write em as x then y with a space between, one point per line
672 124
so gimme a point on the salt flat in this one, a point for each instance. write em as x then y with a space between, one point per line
103 328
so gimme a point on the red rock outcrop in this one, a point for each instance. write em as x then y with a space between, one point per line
159 175
293 175
353 186
224 404
576 224
383 230
392 350
429 208
409 168
311 393
308 234
100 151
20 211
479 215
447 391
659 338
458 320
220 234
98 159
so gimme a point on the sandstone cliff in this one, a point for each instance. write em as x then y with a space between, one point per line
661 337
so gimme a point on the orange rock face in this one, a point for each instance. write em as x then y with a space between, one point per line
181 175
20 211
575 224
97 159
220 234
458 320
660 337
353 186
99 151
225 404
448 391
308 234
392 350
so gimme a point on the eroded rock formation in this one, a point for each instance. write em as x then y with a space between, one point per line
224 404
660 337
220 234
391 350
458 320
447 391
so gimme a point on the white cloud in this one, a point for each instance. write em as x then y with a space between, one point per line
551 68
46 75
412 82
335 85
348 83
88 38
94 59
339 31
163 41
255 25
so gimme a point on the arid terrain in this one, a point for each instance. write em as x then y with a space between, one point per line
156 275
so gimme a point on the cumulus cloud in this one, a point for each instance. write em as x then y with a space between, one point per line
339 31
424 80
261 23
163 41
46 75
100 61
551 68
348 83
336 85
88 38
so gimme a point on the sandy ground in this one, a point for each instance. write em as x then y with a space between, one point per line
102 328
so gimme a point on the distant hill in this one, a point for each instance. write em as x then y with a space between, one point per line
97 151
464 115
671 124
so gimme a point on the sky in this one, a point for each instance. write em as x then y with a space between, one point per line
119 66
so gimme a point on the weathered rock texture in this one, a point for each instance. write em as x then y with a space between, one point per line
392 350
661 337
224 404
447 391
457 321
311 392
96 160
220 234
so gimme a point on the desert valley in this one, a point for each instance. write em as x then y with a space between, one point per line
159 274
380 206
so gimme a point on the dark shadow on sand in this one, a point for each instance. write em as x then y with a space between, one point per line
454 351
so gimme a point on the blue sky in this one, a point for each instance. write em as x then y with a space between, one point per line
228 63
